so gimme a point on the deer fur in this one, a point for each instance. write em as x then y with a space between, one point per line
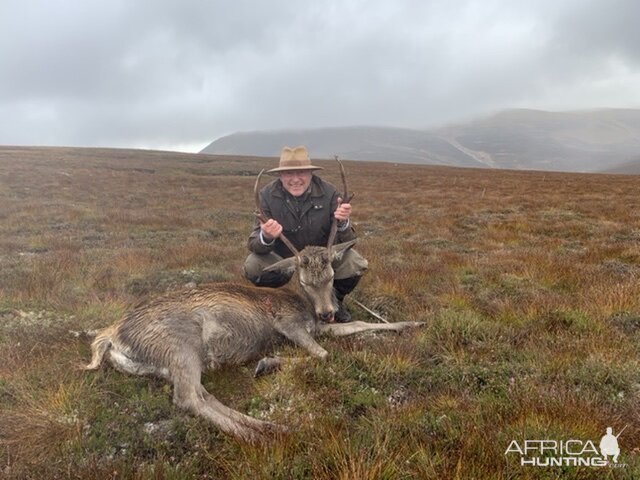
179 335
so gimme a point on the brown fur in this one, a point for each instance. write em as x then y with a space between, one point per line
179 335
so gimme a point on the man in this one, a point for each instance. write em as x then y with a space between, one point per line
609 445
302 205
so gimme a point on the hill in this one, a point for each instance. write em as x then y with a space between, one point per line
354 143
629 168
588 141
583 141
528 282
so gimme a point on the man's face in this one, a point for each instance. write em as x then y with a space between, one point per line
295 182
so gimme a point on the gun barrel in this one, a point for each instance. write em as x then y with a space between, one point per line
620 432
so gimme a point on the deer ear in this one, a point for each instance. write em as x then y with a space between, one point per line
337 251
286 266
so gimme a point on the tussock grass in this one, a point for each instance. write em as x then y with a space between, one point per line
528 282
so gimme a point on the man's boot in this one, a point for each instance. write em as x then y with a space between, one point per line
341 288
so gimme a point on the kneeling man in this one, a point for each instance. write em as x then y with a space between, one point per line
302 205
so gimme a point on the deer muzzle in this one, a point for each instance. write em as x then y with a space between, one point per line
326 317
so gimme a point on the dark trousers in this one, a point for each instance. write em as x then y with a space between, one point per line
342 287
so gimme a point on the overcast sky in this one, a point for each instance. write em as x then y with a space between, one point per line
179 74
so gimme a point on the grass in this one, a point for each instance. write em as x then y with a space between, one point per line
528 282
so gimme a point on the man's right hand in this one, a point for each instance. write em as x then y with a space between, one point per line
271 229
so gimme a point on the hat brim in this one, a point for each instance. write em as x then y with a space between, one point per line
285 169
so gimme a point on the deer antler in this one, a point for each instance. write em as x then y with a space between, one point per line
259 213
346 198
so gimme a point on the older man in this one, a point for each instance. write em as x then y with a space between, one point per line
302 205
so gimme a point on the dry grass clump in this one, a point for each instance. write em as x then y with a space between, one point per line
528 282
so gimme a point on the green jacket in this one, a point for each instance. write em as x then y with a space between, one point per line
305 221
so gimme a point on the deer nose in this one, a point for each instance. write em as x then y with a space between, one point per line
326 317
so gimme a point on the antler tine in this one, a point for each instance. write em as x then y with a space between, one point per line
346 198
256 193
259 213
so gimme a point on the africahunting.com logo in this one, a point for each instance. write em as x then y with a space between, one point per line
578 453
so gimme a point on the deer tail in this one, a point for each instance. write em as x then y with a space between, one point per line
99 347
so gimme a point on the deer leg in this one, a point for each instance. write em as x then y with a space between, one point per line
344 329
189 397
300 337
260 426
122 362
192 398
189 394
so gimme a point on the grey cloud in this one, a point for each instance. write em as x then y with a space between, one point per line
88 72
601 28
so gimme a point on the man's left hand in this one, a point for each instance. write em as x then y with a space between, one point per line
343 211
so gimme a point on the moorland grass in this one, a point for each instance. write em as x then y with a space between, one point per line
528 282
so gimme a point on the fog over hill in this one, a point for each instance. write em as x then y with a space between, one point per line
629 168
577 141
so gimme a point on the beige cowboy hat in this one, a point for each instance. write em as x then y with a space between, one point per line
294 159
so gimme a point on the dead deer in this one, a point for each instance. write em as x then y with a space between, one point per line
179 335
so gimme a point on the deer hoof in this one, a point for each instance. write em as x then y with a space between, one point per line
405 325
266 434
266 366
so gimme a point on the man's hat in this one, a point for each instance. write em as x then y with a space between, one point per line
294 159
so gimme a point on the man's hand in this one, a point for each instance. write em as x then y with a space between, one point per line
270 229
343 211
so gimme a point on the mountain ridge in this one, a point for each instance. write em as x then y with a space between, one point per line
574 141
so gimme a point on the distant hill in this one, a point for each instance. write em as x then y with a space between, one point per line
629 168
581 141
353 143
